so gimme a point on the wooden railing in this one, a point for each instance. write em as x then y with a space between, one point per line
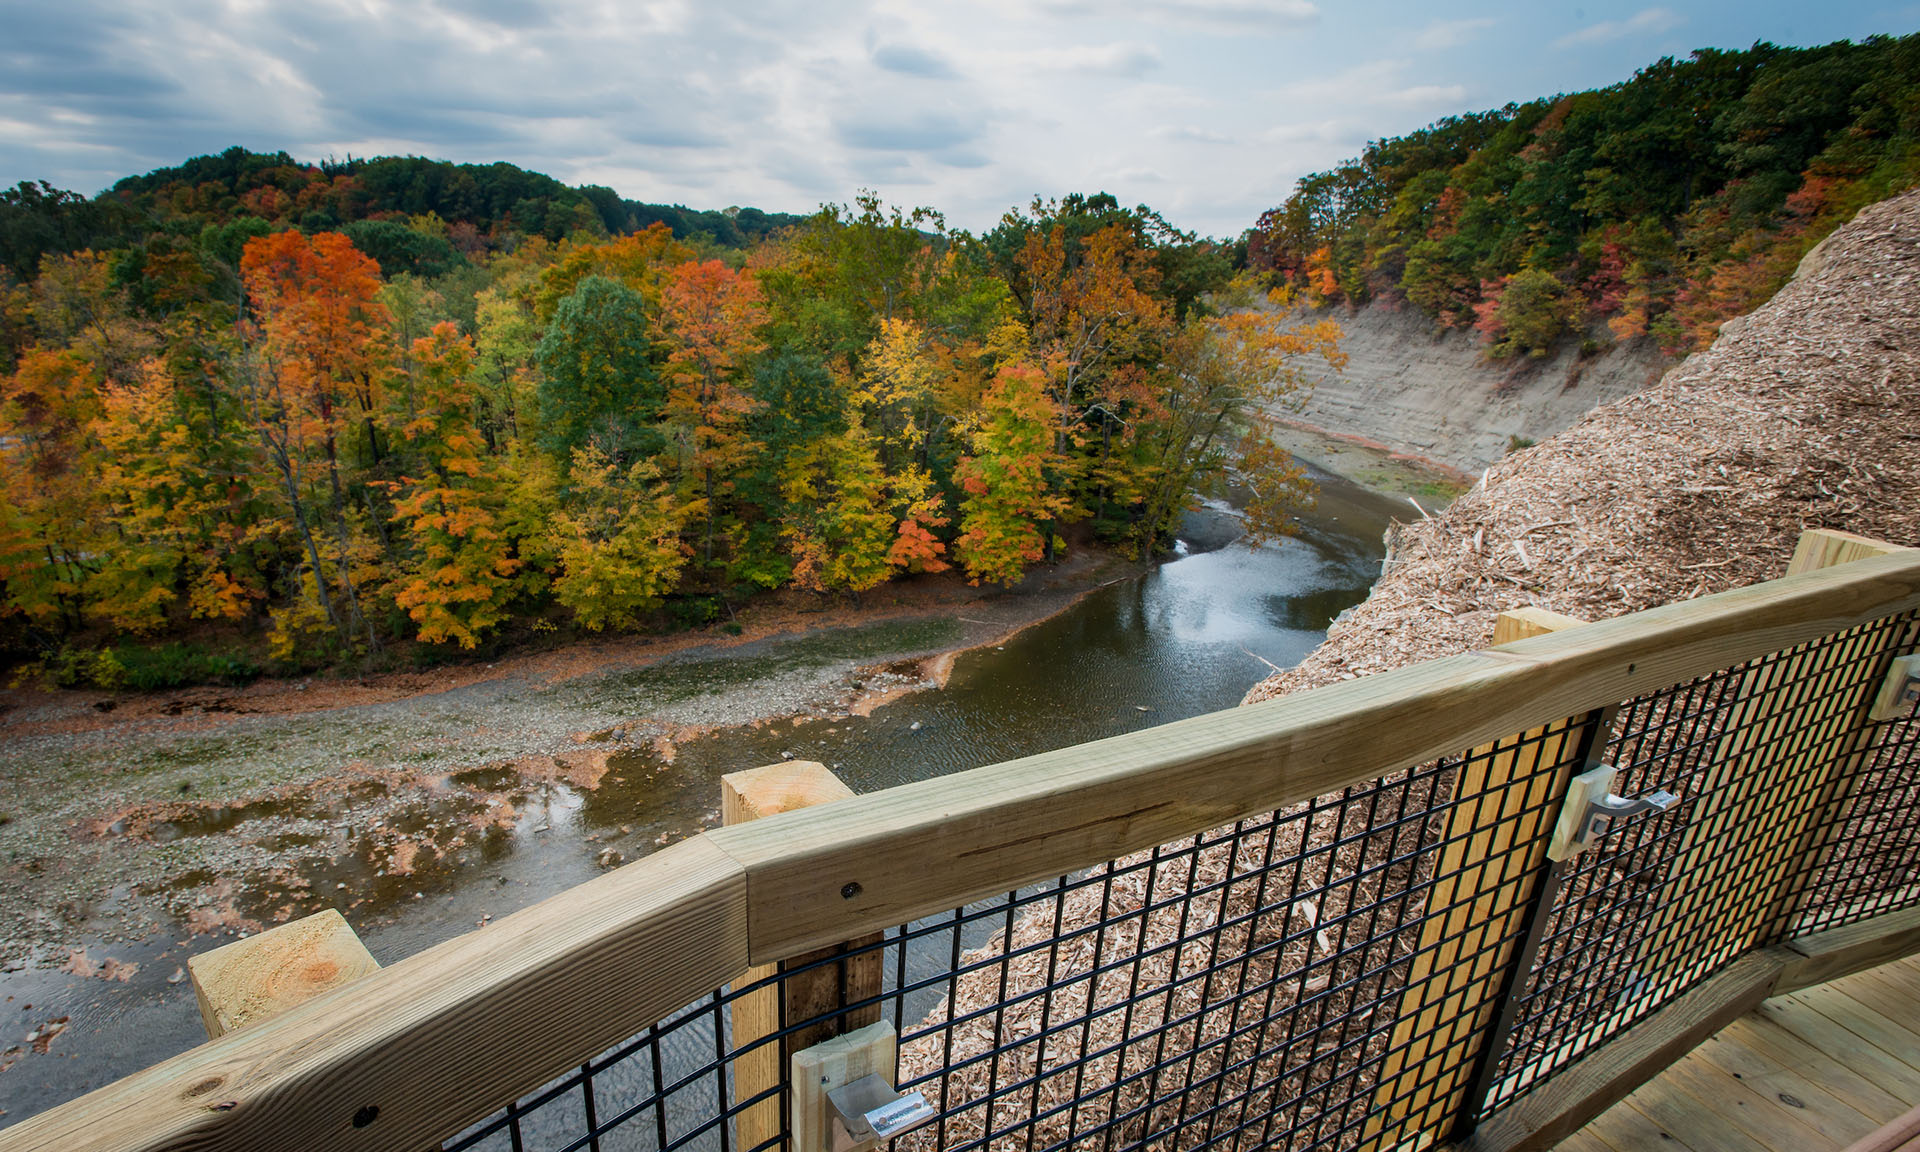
409 1056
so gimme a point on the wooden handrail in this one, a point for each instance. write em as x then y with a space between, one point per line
439 1040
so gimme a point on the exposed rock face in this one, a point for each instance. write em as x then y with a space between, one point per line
1805 414
1433 394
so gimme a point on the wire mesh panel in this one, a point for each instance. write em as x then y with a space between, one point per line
1241 988
1774 769
1865 857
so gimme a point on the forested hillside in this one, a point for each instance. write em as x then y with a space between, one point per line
301 414
1661 206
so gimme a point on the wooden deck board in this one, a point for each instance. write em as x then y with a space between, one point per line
1815 1070
1733 1054
1769 1040
1624 1128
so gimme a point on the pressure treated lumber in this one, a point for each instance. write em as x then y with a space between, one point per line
1607 1075
1825 547
752 795
1611 1072
262 976
1492 857
936 844
413 1053
1841 952
835 1063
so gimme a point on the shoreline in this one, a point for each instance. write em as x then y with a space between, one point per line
200 809
1371 464
37 711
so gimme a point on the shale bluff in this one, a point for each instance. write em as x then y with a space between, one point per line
1433 394
1804 414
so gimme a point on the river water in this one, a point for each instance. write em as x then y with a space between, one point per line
1189 637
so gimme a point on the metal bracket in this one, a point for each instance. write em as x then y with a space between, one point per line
1591 808
1900 692
843 1096
869 1110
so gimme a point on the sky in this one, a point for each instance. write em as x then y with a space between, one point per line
1207 110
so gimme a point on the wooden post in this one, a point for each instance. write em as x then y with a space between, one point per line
262 976
751 795
1482 888
1746 841
1820 548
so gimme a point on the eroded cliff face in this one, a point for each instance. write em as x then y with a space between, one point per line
1433 394
1805 414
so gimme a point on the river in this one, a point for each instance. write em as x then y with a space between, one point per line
1188 637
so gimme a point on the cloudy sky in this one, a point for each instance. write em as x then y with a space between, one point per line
1205 109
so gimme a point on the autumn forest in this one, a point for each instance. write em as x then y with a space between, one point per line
268 415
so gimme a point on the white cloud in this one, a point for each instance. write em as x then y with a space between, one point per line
1646 21
1128 60
1187 134
1376 84
1232 14
1444 34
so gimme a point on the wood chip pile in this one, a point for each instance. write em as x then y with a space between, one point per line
1805 414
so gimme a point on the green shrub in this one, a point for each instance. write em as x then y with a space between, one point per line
149 668
144 668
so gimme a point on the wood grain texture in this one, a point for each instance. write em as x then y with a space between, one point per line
1839 952
1606 1075
1792 1016
1729 1103
1766 1039
1678 1114
1521 623
752 795
835 1063
1492 858
1825 547
819 985
440 1039
936 844
262 976
1627 1129
1730 1057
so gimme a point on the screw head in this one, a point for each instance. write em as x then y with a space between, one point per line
849 890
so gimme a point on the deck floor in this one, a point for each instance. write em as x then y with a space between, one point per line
1814 1070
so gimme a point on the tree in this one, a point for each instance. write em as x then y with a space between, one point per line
617 539
597 381
1005 481
712 317
319 356
458 582
47 549
839 528
1226 378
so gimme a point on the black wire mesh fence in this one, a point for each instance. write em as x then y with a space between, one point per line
1334 974
1795 816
